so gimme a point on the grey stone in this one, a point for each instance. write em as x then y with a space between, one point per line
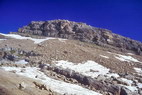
22 86
125 91
101 78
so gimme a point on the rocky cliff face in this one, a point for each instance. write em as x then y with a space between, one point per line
83 32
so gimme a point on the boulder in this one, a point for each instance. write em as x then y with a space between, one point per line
22 86
125 91
101 78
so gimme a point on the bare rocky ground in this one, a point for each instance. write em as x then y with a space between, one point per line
73 51
49 51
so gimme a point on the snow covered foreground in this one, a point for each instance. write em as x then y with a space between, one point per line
36 41
89 68
55 85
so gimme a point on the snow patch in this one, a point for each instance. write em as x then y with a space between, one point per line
55 85
126 58
21 62
36 41
2 39
139 85
138 70
131 88
62 40
104 56
89 68
110 52
129 82
130 53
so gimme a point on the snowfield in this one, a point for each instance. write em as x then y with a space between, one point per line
36 41
55 85
89 68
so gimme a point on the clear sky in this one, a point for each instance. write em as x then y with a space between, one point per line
123 17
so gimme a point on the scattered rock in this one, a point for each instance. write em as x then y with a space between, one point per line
13 71
23 70
22 86
41 86
130 77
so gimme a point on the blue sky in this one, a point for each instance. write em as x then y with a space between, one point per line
123 17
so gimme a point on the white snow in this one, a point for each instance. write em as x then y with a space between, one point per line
104 56
55 85
113 74
89 68
110 52
126 58
138 70
130 53
62 40
130 85
132 88
139 85
129 82
21 62
98 69
36 41
2 39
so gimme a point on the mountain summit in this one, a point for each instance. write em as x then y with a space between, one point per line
83 32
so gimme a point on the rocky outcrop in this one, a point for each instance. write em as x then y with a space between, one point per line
80 31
